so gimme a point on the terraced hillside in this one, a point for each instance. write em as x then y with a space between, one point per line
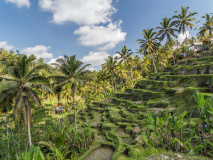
119 121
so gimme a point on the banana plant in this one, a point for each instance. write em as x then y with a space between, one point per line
33 153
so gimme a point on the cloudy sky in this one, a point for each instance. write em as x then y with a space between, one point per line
91 29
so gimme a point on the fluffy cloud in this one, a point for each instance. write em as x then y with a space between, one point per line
82 12
53 60
107 36
96 59
39 51
20 3
4 45
182 37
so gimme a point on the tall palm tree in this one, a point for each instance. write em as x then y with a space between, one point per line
183 20
149 43
74 73
102 77
166 30
124 56
111 67
22 85
207 25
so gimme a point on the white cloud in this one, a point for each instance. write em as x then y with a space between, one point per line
39 51
116 55
53 60
4 45
182 37
91 69
82 12
96 59
20 3
107 36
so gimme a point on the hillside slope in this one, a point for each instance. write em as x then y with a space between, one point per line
119 121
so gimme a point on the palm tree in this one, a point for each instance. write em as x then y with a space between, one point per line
22 86
149 43
207 26
111 67
74 73
166 30
183 20
124 56
102 77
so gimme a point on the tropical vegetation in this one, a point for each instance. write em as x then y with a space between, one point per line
37 125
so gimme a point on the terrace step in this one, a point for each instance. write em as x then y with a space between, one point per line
148 84
194 69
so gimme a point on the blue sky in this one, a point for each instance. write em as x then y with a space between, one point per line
91 29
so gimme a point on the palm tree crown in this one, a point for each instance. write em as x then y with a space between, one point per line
207 25
183 20
166 29
111 67
124 55
150 42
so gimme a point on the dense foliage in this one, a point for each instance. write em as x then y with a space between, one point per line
36 125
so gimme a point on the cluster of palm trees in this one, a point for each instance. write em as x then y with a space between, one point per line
151 39
20 91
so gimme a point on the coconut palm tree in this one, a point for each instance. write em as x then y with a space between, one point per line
166 30
124 56
102 77
207 25
184 20
74 73
149 43
22 85
111 67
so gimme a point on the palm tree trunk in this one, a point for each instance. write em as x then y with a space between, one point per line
8 145
154 64
67 105
28 126
81 102
131 76
104 91
112 82
53 106
43 99
74 111
58 100
127 71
